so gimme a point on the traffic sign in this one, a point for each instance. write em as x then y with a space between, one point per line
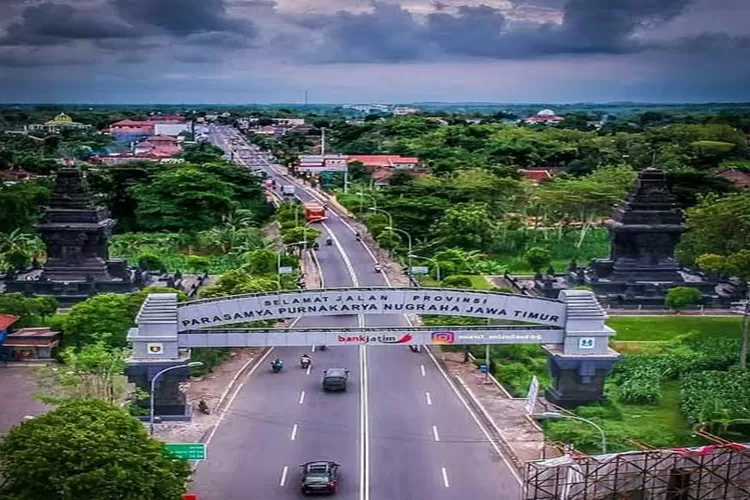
187 451
420 270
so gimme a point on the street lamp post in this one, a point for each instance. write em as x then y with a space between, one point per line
434 261
390 219
408 239
554 414
153 389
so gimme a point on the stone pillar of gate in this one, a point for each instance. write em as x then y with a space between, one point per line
155 346
580 365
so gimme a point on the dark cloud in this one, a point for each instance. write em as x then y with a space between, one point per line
183 17
50 24
25 58
390 33
220 39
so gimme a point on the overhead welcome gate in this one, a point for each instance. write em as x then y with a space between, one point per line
571 329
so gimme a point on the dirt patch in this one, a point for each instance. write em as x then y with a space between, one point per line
215 389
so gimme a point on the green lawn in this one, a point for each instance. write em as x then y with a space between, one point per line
662 328
478 282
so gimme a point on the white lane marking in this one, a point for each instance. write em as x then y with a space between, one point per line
485 432
232 398
347 262
435 433
294 432
429 398
301 397
421 368
312 349
309 367
445 477
284 472
364 426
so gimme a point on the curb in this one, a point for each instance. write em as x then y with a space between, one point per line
249 365
482 413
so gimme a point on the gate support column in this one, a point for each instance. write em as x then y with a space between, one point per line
580 365
155 347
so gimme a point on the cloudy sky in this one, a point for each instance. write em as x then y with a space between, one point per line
243 51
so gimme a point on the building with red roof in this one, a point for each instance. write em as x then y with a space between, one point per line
131 130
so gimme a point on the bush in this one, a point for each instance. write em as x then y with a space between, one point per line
716 397
151 263
457 282
680 297
643 386
515 377
198 263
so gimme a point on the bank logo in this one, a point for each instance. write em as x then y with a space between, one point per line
443 338
375 339
155 348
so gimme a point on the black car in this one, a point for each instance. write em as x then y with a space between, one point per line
335 379
319 477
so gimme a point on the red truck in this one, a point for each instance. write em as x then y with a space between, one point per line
315 212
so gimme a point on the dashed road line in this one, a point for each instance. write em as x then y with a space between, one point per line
293 437
301 397
284 472
429 398
421 369
445 477
435 433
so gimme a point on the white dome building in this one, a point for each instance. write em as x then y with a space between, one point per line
546 116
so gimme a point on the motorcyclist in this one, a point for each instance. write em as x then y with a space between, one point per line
277 363
316 246
377 267
358 236
305 359
329 241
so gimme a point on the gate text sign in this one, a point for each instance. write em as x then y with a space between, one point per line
207 338
232 310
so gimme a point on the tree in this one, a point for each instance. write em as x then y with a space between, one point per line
711 263
467 226
30 309
88 449
105 317
679 297
92 372
538 258
238 282
186 198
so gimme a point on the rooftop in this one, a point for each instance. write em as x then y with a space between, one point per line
6 320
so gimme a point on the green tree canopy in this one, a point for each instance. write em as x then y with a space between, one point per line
87 449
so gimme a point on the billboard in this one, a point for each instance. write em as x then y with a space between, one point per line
352 301
369 336
322 163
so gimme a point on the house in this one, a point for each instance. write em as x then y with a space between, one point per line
536 175
545 117
14 175
130 130
158 146
166 119
394 162
60 122
739 178
29 344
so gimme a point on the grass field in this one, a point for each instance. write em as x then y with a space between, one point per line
663 328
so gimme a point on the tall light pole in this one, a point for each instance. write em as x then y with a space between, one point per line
153 388
362 195
434 261
390 219
554 414
408 239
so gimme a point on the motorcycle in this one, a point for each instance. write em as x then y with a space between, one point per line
276 367
329 241
377 268
323 347
359 238
203 407
305 362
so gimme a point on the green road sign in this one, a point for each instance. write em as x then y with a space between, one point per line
187 451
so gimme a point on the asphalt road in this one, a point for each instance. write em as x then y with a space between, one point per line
414 436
